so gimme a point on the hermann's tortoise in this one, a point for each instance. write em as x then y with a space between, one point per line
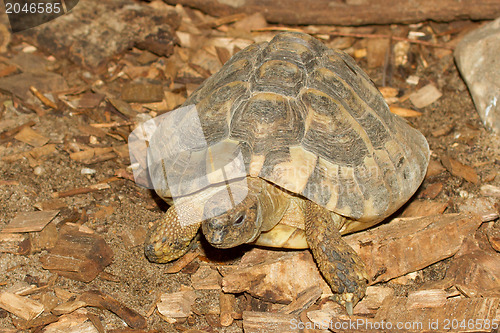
291 145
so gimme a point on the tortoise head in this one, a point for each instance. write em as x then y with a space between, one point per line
230 224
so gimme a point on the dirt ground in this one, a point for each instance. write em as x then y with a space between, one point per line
122 213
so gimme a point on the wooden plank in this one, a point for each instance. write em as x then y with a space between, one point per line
350 12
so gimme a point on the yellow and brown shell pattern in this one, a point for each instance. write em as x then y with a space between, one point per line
309 120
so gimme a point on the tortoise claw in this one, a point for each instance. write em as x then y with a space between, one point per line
349 308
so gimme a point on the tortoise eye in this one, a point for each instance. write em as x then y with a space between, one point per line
239 220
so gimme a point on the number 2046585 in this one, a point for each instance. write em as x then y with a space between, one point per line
32 8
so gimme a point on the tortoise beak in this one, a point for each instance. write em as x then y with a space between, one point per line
216 237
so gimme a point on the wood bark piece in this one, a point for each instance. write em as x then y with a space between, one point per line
22 307
304 300
73 322
31 137
78 254
349 12
30 221
68 307
269 322
274 276
14 243
93 155
206 278
418 208
35 153
475 269
460 170
94 31
493 235
490 191
404 112
185 260
407 245
142 93
19 84
82 190
102 301
40 321
432 191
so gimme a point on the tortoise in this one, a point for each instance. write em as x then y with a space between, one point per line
316 150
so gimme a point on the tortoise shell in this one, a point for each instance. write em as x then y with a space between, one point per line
301 116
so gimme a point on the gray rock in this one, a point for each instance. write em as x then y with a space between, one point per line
478 59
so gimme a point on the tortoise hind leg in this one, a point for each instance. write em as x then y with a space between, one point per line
341 267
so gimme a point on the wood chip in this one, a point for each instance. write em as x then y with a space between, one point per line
12 132
176 305
35 153
444 129
417 242
40 321
68 307
90 100
433 298
303 301
418 208
434 168
31 137
269 322
47 102
30 221
45 239
100 300
53 204
493 235
432 191
318 321
373 300
82 190
73 322
182 262
78 254
206 278
142 93
455 315
490 191
425 96
93 155
22 307
256 275
475 269
14 243
227 303
460 170
123 107
403 112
